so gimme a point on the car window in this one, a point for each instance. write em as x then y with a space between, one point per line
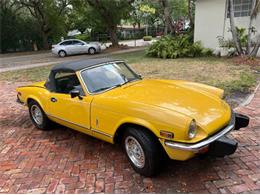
107 76
67 81
77 43
66 43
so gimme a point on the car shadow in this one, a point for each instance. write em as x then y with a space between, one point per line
96 156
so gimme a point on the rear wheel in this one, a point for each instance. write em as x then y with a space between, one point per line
38 117
62 53
142 150
92 50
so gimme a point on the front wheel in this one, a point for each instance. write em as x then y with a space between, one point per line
38 117
142 150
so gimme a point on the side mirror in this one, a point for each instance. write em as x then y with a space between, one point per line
75 93
140 76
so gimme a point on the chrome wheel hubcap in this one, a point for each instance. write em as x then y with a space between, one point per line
135 151
62 54
91 51
36 114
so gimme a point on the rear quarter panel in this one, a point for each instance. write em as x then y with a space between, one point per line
37 93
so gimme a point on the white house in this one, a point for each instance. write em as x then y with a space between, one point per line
212 21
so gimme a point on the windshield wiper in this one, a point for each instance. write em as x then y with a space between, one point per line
129 81
106 88
118 85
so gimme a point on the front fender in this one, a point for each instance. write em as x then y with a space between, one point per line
138 121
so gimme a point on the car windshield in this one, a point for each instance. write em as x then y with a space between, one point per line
108 76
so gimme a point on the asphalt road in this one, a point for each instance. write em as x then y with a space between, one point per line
25 60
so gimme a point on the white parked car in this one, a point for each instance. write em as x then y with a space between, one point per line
75 46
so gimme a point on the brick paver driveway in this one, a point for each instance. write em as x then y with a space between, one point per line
65 161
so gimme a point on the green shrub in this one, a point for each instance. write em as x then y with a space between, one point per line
147 38
175 47
83 37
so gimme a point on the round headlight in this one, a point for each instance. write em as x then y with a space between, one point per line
192 129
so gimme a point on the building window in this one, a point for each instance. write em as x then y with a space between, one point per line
242 8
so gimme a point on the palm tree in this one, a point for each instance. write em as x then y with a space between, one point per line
253 14
233 28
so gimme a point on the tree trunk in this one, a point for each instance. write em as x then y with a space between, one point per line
233 28
45 41
167 16
256 48
249 42
165 30
190 14
113 36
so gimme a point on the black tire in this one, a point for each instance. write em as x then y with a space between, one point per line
151 147
62 53
91 50
45 123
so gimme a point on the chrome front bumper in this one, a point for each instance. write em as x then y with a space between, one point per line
235 119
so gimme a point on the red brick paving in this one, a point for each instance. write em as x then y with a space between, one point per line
65 161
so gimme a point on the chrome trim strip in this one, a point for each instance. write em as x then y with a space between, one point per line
67 121
95 130
200 145
101 132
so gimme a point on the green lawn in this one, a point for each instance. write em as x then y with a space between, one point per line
220 72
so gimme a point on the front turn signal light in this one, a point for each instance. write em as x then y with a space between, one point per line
166 134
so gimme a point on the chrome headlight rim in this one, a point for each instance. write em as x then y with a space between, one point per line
192 132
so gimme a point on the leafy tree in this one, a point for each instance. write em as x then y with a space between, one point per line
191 12
174 11
110 13
167 10
8 18
50 16
18 30
143 12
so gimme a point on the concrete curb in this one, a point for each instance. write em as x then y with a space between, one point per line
249 98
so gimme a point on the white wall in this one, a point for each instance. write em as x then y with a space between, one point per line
209 22
241 22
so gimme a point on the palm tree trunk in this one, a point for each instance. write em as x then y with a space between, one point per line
256 48
249 42
233 28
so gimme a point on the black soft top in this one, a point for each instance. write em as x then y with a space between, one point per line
81 64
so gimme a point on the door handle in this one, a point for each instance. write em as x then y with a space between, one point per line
54 99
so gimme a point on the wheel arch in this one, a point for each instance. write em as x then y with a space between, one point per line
33 98
66 53
130 123
92 47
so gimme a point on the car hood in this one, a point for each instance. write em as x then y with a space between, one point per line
210 112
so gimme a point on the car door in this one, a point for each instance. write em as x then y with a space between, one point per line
67 46
78 47
71 112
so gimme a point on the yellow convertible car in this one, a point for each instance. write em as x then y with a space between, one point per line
150 118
